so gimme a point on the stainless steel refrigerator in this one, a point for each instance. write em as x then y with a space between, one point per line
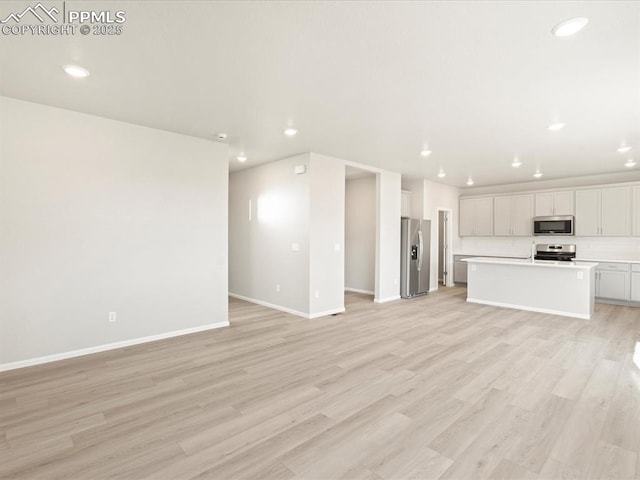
414 257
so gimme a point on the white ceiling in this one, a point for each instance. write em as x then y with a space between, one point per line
368 82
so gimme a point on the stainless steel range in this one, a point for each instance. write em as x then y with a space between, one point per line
556 252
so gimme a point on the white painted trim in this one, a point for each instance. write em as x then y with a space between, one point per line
530 309
385 300
108 346
357 290
327 312
449 241
269 305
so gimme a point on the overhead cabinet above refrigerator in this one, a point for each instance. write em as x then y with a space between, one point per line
414 257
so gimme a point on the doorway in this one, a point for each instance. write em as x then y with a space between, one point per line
360 231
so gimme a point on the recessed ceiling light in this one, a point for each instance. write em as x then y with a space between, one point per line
290 132
425 152
538 174
221 136
441 174
470 181
554 127
569 27
630 163
75 71
516 162
624 149
242 158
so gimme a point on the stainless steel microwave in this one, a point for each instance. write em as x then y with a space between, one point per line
558 225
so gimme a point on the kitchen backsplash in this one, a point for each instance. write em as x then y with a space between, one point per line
598 248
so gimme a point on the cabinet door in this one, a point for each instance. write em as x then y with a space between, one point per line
460 272
587 212
544 204
502 224
467 216
635 287
484 216
563 203
635 208
613 285
522 215
616 212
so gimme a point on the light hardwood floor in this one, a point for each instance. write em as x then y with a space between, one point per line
426 388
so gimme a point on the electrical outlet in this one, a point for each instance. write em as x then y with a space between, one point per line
277 287
112 316
295 247
317 294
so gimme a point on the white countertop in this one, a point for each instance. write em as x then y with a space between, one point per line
527 262
597 258
609 260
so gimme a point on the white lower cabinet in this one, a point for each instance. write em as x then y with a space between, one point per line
635 282
613 281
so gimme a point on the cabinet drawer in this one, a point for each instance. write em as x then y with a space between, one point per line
635 267
620 267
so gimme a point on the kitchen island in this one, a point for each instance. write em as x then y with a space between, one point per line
557 287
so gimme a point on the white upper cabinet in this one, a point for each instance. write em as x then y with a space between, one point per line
502 216
616 211
603 212
587 212
476 217
554 203
513 215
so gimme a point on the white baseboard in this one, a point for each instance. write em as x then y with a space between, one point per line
385 300
358 290
327 312
530 309
269 305
308 316
108 346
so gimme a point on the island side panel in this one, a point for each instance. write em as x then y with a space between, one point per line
559 290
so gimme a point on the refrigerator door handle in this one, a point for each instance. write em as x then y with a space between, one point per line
420 246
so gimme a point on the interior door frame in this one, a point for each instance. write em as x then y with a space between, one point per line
448 245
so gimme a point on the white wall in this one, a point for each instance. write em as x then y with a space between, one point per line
261 257
416 187
326 244
360 234
388 203
99 216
